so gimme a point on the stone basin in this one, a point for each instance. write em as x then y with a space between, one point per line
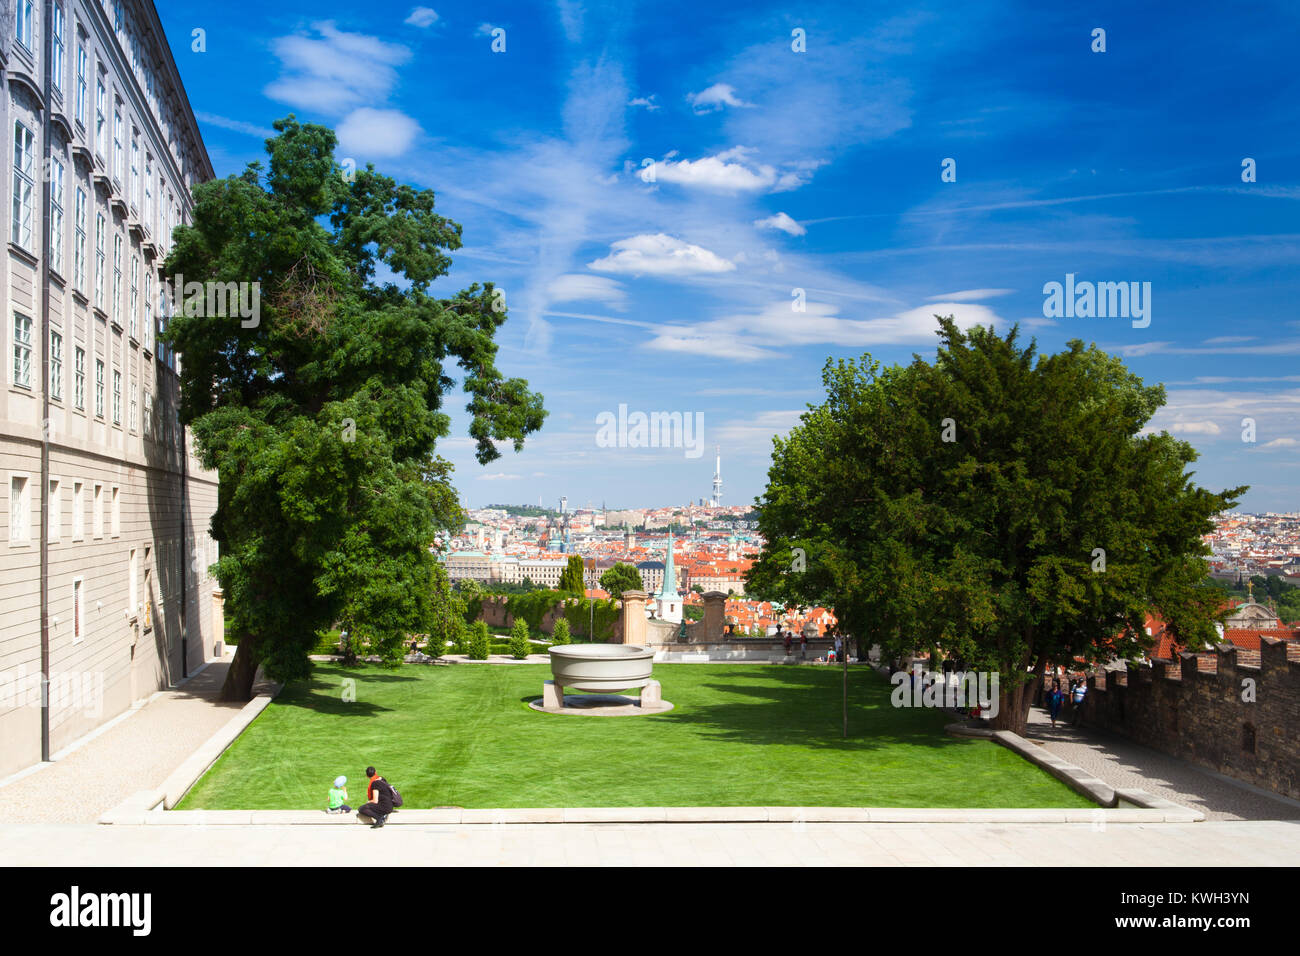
601 668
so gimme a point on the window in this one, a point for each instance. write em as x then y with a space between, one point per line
148 414
148 190
22 350
134 309
115 309
147 328
99 388
135 168
132 407
78 512
117 511
81 85
99 259
119 154
56 366
101 118
23 24
132 585
20 510
79 240
97 512
78 612
56 41
23 186
79 377
117 397
56 214
119 18
56 511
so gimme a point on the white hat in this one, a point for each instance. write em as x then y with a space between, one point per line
340 781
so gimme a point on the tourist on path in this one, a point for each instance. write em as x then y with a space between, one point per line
803 647
1054 701
1077 695
382 798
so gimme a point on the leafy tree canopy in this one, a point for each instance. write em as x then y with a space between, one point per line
1003 506
322 418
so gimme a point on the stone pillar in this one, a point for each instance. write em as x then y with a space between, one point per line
634 630
715 605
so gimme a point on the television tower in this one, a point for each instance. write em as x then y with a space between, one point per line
717 479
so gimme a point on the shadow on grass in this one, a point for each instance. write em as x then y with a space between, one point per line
803 706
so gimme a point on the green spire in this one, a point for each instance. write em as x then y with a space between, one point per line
669 588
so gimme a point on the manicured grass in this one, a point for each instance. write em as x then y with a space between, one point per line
741 735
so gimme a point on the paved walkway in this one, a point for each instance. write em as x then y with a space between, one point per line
1125 764
700 844
138 753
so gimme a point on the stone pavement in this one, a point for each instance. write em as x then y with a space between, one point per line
137 753
1126 765
1250 843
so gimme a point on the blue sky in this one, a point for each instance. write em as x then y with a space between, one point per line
777 170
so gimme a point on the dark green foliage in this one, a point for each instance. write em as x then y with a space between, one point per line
479 643
621 577
579 614
571 581
560 632
322 418
520 646
985 545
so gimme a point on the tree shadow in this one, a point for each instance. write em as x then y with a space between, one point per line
799 705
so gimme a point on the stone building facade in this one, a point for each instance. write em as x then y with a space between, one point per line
104 511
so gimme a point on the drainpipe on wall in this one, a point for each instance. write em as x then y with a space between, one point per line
46 151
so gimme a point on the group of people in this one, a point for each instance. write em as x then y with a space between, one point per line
1056 699
382 799
835 654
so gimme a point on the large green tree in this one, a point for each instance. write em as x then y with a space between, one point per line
1006 507
621 577
571 578
322 416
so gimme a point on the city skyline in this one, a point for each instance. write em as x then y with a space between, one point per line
823 170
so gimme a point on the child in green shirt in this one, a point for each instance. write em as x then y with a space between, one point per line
339 796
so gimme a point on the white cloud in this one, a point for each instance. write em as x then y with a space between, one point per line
499 476
783 222
573 287
238 126
647 101
970 295
730 171
370 132
771 332
1281 443
715 98
333 71
1194 428
484 30
660 255
422 17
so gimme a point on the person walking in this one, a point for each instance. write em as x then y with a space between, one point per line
381 796
788 641
1077 694
803 647
1054 701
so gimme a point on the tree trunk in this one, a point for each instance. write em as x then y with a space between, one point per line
1013 708
243 669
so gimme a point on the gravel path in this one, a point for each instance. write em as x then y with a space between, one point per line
1122 763
136 754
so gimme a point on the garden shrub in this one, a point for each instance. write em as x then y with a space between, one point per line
479 645
520 646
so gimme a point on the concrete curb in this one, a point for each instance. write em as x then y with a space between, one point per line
1076 778
179 782
136 812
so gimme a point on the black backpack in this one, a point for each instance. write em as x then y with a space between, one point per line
397 797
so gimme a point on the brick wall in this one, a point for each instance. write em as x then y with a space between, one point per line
1214 710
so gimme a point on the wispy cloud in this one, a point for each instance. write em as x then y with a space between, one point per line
422 17
782 222
715 97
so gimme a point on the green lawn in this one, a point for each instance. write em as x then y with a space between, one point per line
741 735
